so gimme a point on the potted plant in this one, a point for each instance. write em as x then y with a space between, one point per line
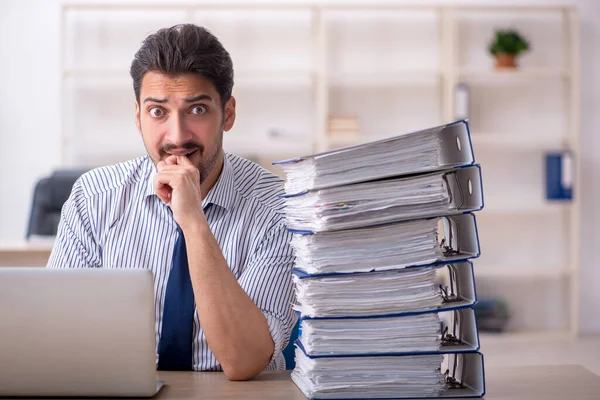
507 45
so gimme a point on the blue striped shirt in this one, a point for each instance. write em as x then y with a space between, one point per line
114 219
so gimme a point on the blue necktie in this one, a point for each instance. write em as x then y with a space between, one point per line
175 345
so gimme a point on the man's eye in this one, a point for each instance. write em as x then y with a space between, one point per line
156 112
199 110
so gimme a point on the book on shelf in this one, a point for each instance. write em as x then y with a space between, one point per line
342 123
343 126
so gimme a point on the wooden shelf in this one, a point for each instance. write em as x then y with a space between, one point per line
274 79
514 141
374 79
519 74
520 271
272 148
335 142
484 142
524 207
249 79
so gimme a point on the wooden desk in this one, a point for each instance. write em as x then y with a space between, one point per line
214 385
502 383
24 254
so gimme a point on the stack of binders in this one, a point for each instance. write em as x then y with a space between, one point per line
383 235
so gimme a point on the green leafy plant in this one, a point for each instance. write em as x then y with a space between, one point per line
508 42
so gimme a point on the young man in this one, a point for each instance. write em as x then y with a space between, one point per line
209 225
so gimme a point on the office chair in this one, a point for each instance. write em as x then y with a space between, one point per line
49 195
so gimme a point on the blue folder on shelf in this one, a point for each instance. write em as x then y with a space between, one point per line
559 176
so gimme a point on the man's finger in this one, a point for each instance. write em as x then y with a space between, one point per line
171 160
164 195
163 191
183 160
166 176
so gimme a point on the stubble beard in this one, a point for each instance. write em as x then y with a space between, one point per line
204 169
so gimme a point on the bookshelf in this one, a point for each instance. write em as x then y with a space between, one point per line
522 271
526 74
392 68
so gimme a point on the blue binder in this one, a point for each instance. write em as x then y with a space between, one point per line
458 286
462 341
460 242
464 375
559 176
464 187
453 141
459 333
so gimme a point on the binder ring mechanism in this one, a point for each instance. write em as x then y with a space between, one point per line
450 337
449 232
453 380
451 330
450 293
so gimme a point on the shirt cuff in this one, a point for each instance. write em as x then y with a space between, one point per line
280 339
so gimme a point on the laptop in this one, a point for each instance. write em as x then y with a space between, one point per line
77 332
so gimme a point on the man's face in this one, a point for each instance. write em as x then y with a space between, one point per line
183 116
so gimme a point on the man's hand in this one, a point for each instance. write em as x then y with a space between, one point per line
178 183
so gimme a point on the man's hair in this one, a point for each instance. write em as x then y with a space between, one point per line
181 49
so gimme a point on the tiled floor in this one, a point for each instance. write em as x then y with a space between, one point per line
541 349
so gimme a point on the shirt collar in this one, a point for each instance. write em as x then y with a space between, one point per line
221 194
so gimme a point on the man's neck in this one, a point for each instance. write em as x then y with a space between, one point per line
213 176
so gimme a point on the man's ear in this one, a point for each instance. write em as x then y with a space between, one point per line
137 117
229 114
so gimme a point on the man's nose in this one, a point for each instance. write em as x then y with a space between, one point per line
177 133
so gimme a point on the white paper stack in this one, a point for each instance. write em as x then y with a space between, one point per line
369 377
383 293
382 232
366 249
381 201
410 153
321 337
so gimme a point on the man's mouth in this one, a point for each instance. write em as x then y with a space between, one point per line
181 152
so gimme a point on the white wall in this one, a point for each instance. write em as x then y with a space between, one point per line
30 119
29 105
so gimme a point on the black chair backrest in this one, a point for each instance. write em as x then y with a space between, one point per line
48 198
